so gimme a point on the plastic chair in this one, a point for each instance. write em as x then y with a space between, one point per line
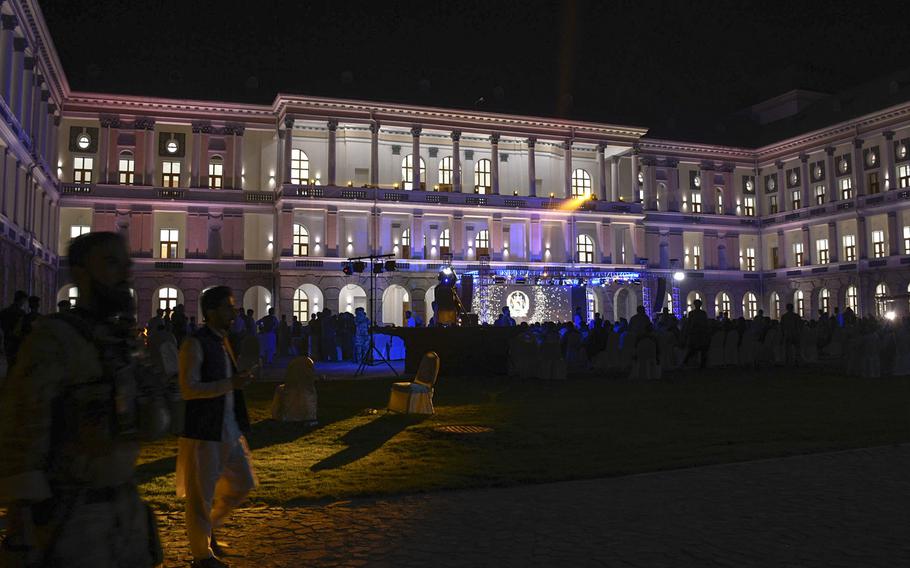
296 400
416 397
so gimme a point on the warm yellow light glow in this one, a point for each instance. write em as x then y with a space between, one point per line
573 203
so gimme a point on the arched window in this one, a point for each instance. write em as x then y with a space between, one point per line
719 201
406 238
167 298
73 296
851 298
690 299
799 303
881 291
581 183
301 306
482 242
584 248
722 304
482 176
750 305
126 168
407 172
774 305
446 171
216 172
444 239
824 300
300 167
301 245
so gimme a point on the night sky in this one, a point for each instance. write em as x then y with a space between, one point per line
665 65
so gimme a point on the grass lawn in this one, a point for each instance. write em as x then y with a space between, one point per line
549 431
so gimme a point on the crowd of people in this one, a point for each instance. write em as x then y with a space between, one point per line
868 346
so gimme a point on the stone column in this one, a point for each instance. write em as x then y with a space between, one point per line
7 25
332 245
833 243
24 112
456 161
41 127
238 158
27 197
567 170
859 179
535 240
18 60
729 192
615 192
782 252
861 240
807 198
707 189
197 155
417 235
807 247
649 190
15 211
288 146
53 150
532 168
4 185
150 152
606 231
602 173
833 193
374 153
494 164
889 165
783 203
458 240
636 187
332 126
893 236
415 161
104 150
673 199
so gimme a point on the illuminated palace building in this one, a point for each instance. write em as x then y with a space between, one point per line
272 199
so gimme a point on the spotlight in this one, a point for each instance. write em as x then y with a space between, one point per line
679 276
347 269
390 266
446 277
891 315
359 266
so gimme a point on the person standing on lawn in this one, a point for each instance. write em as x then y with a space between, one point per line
214 470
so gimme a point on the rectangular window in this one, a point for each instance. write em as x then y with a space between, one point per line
170 174
170 239
772 205
878 244
749 206
775 257
79 230
126 169
750 260
846 188
849 248
821 246
82 169
796 198
872 183
907 240
696 257
797 254
903 176
216 174
820 194
695 202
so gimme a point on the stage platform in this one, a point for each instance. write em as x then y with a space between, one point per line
461 350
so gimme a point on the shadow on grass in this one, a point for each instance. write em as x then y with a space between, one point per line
364 440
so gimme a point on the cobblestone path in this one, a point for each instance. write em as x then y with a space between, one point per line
842 509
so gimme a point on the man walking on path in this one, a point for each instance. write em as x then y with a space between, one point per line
214 470
10 321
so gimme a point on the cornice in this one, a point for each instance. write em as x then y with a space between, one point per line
32 23
449 118
695 151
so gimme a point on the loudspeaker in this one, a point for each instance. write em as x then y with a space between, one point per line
657 304
467 291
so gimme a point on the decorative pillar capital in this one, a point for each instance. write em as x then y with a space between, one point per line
455 135
857 143
144 123
108 121
804 158
601 146
198 125
332 125
8 22
531 142
779 164
415 131
888 134
374 127
289 121
494 138
830 150
672 162
567 145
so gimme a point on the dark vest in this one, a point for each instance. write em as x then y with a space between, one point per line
205 416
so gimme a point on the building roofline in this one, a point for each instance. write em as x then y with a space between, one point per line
33 24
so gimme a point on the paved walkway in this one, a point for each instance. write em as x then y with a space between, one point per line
843 509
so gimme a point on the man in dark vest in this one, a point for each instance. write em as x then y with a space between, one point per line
214 470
